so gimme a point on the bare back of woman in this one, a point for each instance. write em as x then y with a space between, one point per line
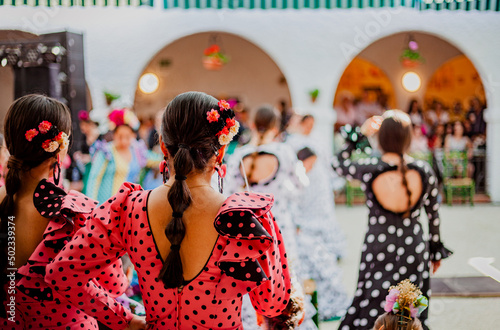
33 226
390 191
260 168
201 235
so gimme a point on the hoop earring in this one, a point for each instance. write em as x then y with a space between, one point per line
221 173
164 170
56 174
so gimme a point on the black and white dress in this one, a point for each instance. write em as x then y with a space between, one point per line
394 247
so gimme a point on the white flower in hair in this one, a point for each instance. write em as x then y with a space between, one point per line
65 141
235 128
52 146
225 139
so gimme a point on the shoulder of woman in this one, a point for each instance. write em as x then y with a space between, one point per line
257 203
127 193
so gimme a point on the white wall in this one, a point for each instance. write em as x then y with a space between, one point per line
312 47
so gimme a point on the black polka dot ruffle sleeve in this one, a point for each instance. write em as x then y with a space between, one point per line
254 254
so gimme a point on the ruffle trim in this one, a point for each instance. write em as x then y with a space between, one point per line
438 251
62 209
241 222
52 201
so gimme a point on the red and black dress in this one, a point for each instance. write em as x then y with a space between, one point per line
37 306
247 258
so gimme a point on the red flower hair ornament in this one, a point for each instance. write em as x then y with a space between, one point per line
222 123
47 134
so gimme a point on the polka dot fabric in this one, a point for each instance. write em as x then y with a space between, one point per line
394 247
37 306
248 258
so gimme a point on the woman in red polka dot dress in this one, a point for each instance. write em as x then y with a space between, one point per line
38 218
196 253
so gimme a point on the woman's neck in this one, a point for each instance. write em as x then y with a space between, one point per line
392 157
266 138
31 179
193 180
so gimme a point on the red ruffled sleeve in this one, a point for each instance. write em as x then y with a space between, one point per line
254 259
93 254
66 212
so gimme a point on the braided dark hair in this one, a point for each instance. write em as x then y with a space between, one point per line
266 118
24 114
395 136
192 141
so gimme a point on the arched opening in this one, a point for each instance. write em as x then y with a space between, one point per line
426 68
457 80
250 75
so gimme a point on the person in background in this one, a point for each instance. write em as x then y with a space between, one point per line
346 111
120 160
437 114
419 142
457 113
153 134
82 157
4 157
146 124
321 242
196 252
458 142
286 113
476 118
397 187
267 166
416 114
150 176
46 217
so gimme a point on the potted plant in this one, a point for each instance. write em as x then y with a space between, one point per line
213 58
411 57
110 97
314 95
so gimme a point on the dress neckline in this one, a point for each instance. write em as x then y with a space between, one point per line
389 168
184 282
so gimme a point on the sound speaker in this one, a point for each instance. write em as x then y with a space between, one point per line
38 80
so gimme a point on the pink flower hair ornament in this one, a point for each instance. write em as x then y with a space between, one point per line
222 123
48 136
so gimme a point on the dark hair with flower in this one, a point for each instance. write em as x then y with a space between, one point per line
121 117
48 136
195 126
222 123
403 305
41 119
